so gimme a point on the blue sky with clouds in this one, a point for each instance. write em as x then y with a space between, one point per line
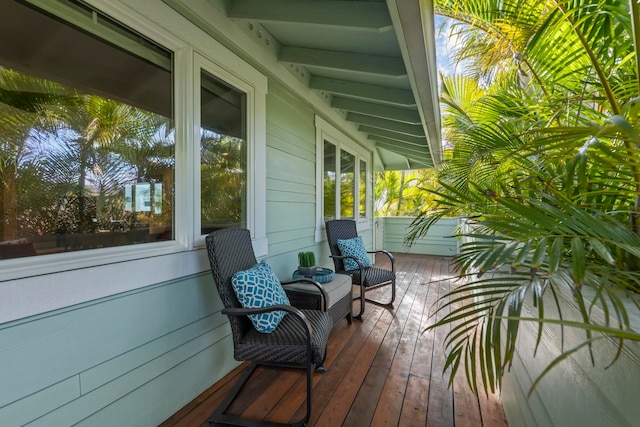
443 46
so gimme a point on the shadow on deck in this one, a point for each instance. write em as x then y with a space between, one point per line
381 371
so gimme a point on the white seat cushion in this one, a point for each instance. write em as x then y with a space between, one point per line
335 289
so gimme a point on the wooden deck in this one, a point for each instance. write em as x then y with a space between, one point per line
383 371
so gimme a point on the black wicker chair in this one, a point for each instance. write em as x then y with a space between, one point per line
299 341
367 278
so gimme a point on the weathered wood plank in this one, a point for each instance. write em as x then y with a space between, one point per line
387 389
414 407
340 403
395 388
295 401
333 379
440 405
276 391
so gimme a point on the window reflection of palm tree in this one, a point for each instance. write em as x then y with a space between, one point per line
70 154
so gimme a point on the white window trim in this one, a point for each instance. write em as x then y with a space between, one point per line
34 285
368 197
256 152
326 131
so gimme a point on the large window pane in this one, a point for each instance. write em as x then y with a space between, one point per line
329 181
347 184
223 155
86 136
363 189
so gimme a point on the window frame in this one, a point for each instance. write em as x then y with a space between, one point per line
366 188
256 172
327 132
356 184
34 285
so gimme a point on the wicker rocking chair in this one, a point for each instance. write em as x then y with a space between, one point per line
367 278
299 340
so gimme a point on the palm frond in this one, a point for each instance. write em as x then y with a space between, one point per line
545 172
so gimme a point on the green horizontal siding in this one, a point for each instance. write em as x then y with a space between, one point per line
183 343
160 398
438 241
575 392
291 181
70 365
39 403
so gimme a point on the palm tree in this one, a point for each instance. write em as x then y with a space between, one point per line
55 141
545 169
23 106
223 179
402 193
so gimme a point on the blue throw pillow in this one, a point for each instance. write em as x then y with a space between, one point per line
353 247
259 287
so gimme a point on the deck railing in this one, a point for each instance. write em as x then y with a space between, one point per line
391 232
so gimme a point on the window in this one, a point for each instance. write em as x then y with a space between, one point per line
329 180
342 178
223 155
86 135
362 206
231 177
347 184
142 184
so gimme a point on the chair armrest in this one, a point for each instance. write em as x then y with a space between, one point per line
360 264
311 282
387 253
238 311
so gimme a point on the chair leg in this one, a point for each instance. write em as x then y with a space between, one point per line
363 298
381 304
220 418
386 304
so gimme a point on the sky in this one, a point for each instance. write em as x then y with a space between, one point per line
443 46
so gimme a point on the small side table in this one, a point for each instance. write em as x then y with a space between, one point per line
339 296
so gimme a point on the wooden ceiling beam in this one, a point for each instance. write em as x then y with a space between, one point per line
364 92
346 61
366 16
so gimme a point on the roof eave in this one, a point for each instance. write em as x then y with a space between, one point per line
415 31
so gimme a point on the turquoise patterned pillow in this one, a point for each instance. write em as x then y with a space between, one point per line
353 247
258 287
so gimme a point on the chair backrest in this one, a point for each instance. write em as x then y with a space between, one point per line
339 229
230 251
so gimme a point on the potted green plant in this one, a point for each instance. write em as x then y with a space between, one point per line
307 263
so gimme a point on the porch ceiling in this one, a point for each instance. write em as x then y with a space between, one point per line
373 61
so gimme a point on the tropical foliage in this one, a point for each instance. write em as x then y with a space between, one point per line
223 179
545 170
67 155
404 193
73 162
